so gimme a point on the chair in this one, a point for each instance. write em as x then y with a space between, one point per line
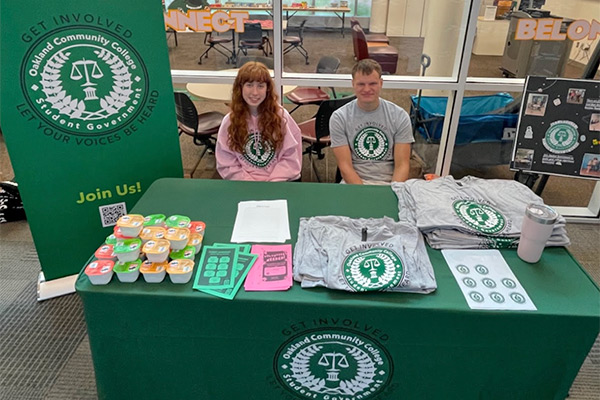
309 95
315 131
252 38
295 42
202 127
371 37
385 55
268 61
217 43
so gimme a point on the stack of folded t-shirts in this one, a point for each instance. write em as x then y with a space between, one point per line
470 213
361 255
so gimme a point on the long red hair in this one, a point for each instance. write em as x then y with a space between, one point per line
269 111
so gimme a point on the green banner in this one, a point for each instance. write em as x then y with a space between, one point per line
87 110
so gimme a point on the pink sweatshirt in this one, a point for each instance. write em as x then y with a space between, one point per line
260 162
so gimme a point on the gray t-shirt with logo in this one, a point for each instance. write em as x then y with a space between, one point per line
371 136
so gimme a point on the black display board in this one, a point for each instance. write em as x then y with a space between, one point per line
559 128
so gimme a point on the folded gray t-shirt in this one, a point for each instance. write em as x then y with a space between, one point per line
361 255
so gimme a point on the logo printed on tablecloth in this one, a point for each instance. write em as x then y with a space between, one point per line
371 144
326 364
373 269
84 80
480 217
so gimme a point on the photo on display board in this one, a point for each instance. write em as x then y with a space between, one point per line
595 122
575 96
523 159
590 165
536 104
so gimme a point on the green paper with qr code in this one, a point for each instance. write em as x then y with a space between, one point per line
215 270
245 262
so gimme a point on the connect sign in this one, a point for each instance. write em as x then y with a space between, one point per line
205 21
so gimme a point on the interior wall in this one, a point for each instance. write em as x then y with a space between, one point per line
405 18
577 9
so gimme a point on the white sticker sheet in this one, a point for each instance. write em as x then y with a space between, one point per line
486 280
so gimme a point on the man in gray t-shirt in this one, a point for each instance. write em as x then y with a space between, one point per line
371 137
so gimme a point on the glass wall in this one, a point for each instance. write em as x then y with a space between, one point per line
445 50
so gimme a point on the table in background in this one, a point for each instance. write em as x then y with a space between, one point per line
220 91
166 341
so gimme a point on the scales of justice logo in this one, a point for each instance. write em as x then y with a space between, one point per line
374 269
328 364
480 217
258 152
371 144
84 80
561 137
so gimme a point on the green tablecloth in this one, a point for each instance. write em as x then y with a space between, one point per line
166 341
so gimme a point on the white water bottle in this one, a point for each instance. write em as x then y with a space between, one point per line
535 231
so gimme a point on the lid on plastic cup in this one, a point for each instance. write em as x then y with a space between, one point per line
541 213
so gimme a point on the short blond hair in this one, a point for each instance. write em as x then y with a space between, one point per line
366 67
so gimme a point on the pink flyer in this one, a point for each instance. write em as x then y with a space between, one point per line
272 270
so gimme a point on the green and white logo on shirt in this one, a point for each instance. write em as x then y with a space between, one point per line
480 217
374 269
84 81
328 364
371 144
562 137
257 151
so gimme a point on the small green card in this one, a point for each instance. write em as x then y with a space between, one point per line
215 269
243 265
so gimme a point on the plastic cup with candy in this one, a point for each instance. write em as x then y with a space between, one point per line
154 272
128 249
105 252
178 221
180 271
131 224
155 220
157 250
128 271
100 272
178 237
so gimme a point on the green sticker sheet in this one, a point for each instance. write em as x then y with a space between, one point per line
215 269
245 261
242 248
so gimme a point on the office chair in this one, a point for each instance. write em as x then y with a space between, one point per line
252 38
217 43
201 127
309 95
315 131
295 42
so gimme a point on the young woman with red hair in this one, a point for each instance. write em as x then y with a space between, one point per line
258 140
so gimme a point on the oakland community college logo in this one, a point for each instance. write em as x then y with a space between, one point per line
258 152
371 144
333 364
374 269
480 217
84 80
562 137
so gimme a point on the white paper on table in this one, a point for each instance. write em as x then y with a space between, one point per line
261 222
486 280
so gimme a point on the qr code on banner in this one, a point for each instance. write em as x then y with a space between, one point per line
110 213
